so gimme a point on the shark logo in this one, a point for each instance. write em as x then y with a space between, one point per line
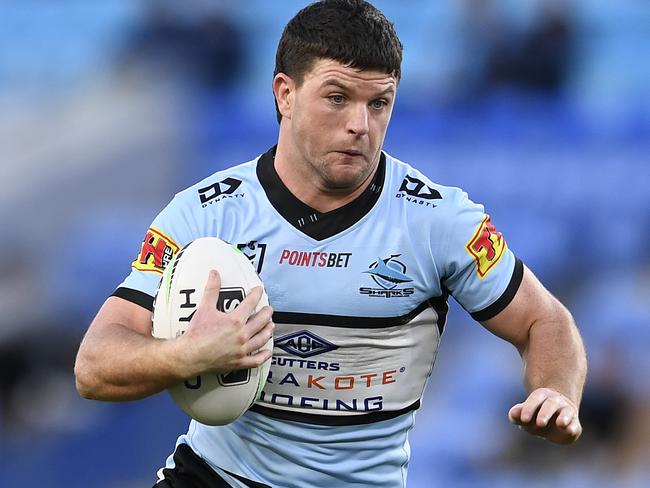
388 273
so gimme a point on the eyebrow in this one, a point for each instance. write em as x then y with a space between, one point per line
338 84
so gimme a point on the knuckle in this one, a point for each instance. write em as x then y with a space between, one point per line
259 359
241 338
540 394
553 402
268 316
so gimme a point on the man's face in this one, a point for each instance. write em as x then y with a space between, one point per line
339 118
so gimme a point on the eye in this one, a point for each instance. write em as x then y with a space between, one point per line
337 99
378 104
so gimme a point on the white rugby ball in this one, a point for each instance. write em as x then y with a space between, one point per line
213 399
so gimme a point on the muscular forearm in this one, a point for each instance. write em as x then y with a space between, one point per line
554 356
119 359
117 363
555 363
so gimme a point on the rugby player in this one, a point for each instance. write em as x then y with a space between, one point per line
359 253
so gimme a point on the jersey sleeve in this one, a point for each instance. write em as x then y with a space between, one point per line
481 272
168 233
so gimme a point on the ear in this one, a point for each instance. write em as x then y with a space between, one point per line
284 90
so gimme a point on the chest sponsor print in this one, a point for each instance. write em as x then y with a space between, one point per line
315 259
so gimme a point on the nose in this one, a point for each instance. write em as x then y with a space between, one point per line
357 122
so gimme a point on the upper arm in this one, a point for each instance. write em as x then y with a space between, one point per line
114 327
123 312
115 315
530 304
132 302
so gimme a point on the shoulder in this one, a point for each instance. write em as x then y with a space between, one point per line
224 184
193 211
412 187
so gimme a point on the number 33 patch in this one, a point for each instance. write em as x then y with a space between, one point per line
486 246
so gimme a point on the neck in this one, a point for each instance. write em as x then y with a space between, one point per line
294 173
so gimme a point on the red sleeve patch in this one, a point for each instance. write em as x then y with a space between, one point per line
486 246
156 252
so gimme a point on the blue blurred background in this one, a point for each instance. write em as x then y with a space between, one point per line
539 109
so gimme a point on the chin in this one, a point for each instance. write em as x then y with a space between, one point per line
345 180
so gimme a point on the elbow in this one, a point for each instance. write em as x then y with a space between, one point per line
85 381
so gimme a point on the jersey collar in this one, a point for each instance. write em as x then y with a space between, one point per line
315 224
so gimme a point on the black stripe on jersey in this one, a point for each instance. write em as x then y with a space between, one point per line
245 481
505 298
310 418
190 470
439 304
135 296
313 223
441 307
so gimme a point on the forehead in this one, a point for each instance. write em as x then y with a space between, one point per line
329 72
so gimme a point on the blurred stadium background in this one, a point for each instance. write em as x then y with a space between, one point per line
539 109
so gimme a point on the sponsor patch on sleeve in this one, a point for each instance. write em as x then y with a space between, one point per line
156 252
486 246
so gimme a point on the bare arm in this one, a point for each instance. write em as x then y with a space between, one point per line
555 363
119 359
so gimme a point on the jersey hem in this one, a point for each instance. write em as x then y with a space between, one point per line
506 297
134 296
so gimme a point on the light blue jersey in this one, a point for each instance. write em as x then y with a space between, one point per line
360 300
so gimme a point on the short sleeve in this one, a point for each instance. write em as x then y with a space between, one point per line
481 272
168 233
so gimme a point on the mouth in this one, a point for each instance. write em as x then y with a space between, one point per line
350 152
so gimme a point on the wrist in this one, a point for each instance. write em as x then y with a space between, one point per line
174 352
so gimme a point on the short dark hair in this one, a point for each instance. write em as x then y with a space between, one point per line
353 32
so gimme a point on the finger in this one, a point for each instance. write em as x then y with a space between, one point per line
574 428
551 406
211 290
532 404
255 360
260 339
514 414
247 306
565 417
258 321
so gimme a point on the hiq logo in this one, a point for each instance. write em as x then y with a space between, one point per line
387 273
304 344
229 299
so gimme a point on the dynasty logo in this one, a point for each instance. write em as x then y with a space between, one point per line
416 191
388 274
218 191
